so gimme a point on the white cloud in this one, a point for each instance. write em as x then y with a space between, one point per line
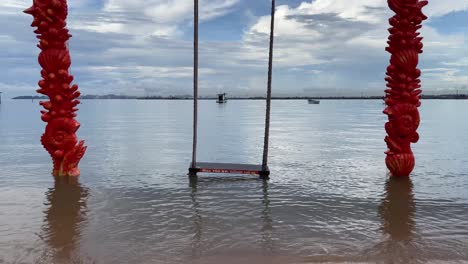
462 62
439 8
358 9
144 71
11 7
142 47
353 33
152 17
15 3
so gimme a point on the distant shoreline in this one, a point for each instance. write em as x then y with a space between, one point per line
119 97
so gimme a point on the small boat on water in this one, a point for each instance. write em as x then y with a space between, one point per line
221 98
313 101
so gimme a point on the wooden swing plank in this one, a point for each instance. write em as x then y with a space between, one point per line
210 167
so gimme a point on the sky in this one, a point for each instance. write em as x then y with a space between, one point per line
322 47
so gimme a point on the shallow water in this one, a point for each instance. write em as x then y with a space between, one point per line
329 198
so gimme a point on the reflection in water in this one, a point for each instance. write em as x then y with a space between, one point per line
397 209
67 206
267 228
397 216
196 218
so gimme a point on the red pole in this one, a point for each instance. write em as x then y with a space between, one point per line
403 92
60 138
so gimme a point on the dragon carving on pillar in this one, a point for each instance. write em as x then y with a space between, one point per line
60 138
403 93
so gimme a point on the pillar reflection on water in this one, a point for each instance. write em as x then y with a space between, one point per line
196 218
266 228
66 211
397 209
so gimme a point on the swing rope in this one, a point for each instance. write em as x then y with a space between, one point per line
195 84
226 167
268 101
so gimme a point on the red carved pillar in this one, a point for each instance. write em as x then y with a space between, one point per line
403 92
59 138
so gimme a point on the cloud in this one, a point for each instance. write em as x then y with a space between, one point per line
152 17
144 47
438 8
345 40
364 10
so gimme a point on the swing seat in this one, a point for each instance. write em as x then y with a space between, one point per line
210 167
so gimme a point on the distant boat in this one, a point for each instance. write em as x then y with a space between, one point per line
221 98
313 101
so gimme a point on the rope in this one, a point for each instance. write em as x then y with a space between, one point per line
268 101
195 84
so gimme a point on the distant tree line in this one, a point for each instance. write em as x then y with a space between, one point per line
188 97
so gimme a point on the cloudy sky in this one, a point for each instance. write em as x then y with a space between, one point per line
323 47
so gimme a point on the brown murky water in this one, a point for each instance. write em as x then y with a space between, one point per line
329 199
